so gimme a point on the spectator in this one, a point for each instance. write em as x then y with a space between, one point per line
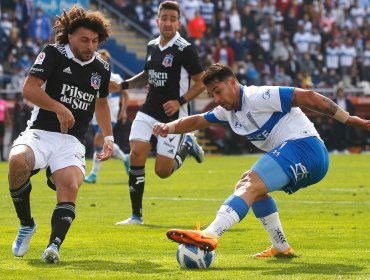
301 40
235 22
224 54
315 44
341 131
265 38
222 29
207 11
305 63
6 24
21 114
365 71
281 78
196 26
326 21
23 10
238 45
4 119
249 19
40 26
332 55
189 8
329 79
357 14
347 59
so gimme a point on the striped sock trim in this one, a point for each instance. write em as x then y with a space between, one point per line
24 188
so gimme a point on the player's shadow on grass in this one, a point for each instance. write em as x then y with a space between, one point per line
139 266
315 268
290 268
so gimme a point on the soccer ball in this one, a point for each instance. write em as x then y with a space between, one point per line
190 256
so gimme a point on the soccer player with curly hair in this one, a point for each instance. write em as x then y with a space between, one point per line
67 83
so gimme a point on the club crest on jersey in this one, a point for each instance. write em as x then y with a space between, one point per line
95 80
167 61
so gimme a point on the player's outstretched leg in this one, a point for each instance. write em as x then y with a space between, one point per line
91 178
118 153
198 238
266 211
231 212
195 150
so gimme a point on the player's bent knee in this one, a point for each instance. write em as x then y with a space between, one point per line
18 164
163 172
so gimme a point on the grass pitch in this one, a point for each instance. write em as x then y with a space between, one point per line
327 224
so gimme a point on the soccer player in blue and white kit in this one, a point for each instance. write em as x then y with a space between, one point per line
270 117
118 102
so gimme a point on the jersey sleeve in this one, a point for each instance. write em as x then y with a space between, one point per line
216 115
104 89
44 64
148 51
272 99
191 61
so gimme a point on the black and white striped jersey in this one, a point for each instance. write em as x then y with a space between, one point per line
169 68
73 83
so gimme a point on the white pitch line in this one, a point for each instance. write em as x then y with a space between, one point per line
221 200
285 201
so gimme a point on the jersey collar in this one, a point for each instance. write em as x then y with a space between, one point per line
70 55
241 90
169 44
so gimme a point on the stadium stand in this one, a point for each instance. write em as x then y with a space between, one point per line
309 44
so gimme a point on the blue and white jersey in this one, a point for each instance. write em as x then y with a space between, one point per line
113 100
265 117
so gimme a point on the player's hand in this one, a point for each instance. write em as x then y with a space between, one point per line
358 122
66 119
122 115
171 107
107 151
161 129
114 87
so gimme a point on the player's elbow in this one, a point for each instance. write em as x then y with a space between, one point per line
306 98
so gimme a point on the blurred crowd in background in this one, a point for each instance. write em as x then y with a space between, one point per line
303 43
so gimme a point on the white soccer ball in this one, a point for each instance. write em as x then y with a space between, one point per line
190 256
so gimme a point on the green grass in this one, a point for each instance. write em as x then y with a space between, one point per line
327 224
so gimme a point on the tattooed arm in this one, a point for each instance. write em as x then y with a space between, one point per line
319 103
138 81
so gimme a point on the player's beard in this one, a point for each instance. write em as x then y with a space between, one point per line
83 56
168 34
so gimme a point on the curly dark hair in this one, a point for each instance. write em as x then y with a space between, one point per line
78 17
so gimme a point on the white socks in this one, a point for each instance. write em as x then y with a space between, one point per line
225 218
117 152
272 225
96 164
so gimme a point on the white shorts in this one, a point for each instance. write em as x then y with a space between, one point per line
142 130
53 149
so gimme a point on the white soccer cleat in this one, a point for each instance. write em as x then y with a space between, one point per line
51 254
133 220
21 244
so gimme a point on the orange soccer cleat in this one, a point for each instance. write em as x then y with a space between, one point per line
198 238
272 252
